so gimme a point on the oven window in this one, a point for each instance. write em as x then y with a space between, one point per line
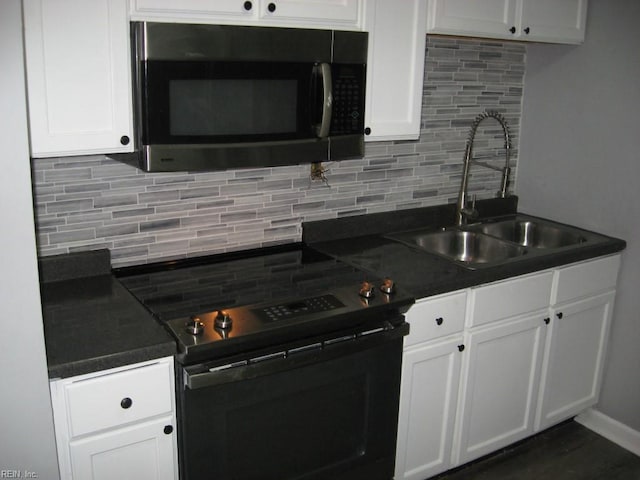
207 107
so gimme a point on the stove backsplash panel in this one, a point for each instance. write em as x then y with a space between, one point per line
91 202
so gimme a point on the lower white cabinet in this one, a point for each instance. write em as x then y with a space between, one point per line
491 365
500 386
430 378
429 389
142 451
118 423
575 358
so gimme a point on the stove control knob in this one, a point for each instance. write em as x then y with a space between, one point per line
366 290
388 286
223 320
194 326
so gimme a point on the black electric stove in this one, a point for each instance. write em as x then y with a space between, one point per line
289 364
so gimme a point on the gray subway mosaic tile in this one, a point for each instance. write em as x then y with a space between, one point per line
88 202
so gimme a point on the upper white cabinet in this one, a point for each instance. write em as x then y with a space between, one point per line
78 76
395 68
555 21
343 14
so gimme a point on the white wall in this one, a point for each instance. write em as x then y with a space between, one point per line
27 440
580 163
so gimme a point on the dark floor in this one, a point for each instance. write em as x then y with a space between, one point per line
566 452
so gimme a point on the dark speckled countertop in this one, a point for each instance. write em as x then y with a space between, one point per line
424 274
91 322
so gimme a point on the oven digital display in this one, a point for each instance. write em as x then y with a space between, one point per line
284 311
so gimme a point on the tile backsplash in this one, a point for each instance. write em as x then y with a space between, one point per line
93 202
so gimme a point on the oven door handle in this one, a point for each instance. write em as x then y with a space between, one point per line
286 360
322 129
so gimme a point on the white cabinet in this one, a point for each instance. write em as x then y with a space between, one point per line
575 352
395 68
118 423
140 451
500 386
338 14
501 370
78 76
532 20
492 18
429 389
491 365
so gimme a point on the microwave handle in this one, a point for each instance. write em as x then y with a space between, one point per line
322 129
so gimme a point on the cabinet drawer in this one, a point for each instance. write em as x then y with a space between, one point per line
588 278
436 317
510 298
118 398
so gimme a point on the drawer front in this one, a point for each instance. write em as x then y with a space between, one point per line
510 298
119 398
436 317
586 279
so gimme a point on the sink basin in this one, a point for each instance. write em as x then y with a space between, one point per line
472 249
529 233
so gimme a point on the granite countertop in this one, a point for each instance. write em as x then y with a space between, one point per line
91 322
360 241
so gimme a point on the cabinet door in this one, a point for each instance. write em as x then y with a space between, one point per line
395 68
489 18
428 396
78 76
142 451
501 375
185 8
574 358
553 21
334 12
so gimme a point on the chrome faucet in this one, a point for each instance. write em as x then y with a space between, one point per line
463 211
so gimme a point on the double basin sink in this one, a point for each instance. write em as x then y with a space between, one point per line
497 241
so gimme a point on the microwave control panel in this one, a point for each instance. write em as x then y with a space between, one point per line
348 100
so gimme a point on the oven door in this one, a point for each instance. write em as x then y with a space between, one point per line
317 412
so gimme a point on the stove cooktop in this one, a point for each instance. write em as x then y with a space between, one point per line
221 304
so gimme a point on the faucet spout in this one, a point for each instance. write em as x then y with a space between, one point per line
463 212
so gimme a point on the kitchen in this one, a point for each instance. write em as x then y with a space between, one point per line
546 187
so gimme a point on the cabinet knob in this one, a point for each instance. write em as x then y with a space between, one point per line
527 30
124 140
367 131
439 320
271 7
512 29
168 429
559 314
248 6
547 320
460 348
126 402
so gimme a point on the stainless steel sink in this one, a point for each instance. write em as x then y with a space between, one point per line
530 233
497 241
472 249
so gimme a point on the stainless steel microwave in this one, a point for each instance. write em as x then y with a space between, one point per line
213 97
